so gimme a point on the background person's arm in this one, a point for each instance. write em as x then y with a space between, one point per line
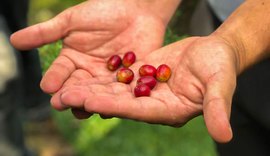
248 30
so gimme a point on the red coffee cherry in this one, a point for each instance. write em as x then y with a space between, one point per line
150 81
124 75
142 90
163 73
128 59
147 70
114 62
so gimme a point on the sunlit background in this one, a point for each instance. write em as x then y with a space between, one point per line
64 135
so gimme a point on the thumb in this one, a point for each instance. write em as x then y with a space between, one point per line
42 33
217 106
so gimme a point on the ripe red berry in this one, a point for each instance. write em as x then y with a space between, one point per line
163 73
128 59
114 62
150 81
124 75
142 90
147 70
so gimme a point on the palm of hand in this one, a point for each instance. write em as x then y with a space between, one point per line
92 32
203 81
108 29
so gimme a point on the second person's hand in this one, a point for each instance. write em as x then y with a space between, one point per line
203 81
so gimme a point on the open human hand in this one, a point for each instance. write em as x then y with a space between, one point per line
202 82
92 32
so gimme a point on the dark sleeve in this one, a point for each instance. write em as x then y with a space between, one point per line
15 13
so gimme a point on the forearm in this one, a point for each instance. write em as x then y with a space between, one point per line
163 8
248 31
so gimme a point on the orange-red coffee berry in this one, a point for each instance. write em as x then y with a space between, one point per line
163 73
150 81
142 90
124 75
147 70
128 59
114 62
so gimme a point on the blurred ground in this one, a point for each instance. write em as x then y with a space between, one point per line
44 139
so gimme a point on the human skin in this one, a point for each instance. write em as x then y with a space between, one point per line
195 87
203 80
204 71
92 32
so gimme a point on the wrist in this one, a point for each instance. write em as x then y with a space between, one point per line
247 33
233 41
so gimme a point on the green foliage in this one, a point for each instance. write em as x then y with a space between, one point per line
170 37
48 53
124 137
140 139
98 137
42 10
92 131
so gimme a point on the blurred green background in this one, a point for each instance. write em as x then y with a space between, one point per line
116 137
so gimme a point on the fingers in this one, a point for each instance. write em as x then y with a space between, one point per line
56 102
117 100
77 77
80 114
217 106
42 33
77 112
57 74
68 62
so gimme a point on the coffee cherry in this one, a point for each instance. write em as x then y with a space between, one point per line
147 70
142 90
150 81
128 59
163 73
114 62
124 75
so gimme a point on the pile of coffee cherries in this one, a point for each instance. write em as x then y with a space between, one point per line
149 75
